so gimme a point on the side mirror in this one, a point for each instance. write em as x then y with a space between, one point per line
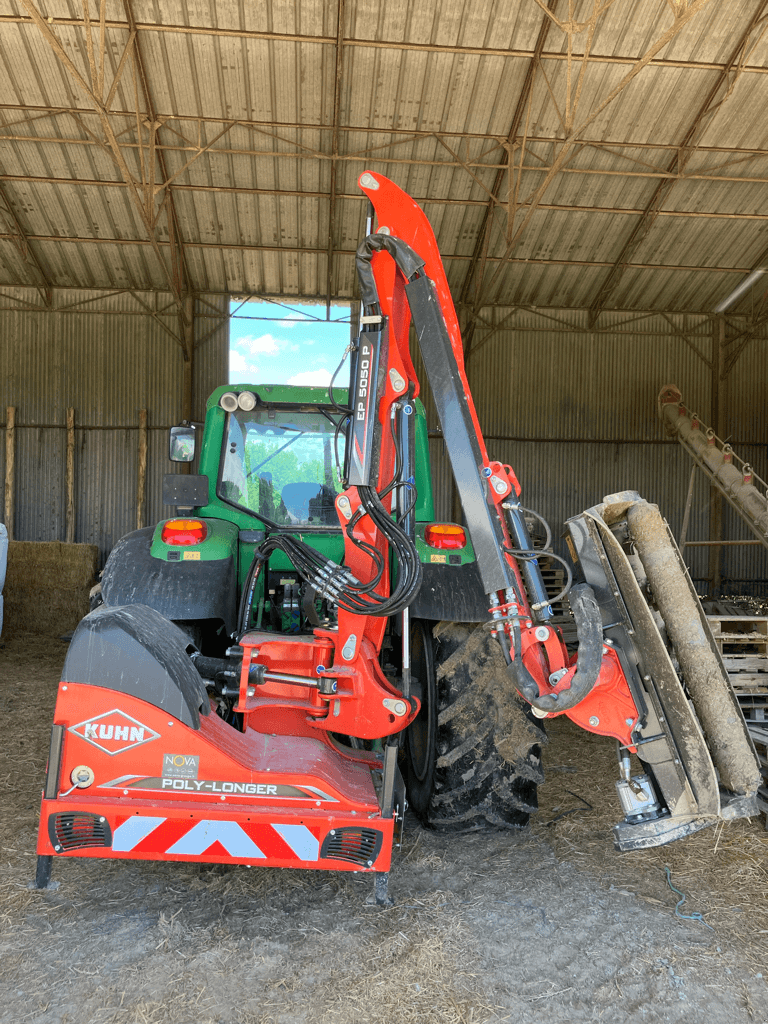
181 447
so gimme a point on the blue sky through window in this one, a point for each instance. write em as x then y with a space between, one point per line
271 343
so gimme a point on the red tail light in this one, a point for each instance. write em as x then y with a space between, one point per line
184 531
445 536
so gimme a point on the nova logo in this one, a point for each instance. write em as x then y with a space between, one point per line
114 732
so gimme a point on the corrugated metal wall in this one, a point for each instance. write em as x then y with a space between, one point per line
573 411
107 357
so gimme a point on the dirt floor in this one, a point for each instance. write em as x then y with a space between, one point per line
547 924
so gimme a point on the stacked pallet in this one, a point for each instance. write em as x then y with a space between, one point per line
553 574
743 644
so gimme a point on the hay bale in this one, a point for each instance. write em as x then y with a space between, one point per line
46 586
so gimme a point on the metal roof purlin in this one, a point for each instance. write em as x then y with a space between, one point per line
40 112
314 251
719 92
213 31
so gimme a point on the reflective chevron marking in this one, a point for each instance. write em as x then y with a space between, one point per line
303 843
131 832
205 833
198 839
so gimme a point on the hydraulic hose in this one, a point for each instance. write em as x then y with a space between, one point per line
589 628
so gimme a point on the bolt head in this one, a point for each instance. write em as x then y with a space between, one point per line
594 721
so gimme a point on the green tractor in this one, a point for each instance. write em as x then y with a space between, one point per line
272 462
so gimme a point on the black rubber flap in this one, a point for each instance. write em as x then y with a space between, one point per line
135 650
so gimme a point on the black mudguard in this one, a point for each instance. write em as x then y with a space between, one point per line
451 592
137 651
180 591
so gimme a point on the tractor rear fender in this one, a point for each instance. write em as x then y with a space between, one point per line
192 583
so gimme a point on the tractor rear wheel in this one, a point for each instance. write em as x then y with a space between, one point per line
473 755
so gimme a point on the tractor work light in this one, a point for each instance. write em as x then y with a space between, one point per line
228 401
446 536
246 400
184 531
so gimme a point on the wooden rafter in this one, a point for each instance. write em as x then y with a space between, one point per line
179 270
479 260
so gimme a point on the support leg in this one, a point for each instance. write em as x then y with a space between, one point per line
381 897
43 873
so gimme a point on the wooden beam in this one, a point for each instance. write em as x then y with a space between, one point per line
10 469
69 534
141 481
188 393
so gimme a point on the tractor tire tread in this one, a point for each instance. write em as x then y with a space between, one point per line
488 743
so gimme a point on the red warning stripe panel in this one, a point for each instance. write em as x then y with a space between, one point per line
217 839
352 844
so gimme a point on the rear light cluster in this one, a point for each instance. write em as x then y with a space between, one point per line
445 536
184 531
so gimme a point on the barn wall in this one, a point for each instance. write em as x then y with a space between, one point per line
107 358
574 412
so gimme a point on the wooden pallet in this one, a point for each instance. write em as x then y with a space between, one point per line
743 644
553 575
759 736
740 634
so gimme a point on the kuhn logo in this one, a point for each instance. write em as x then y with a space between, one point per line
114 732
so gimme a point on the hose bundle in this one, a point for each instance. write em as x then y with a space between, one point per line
335 582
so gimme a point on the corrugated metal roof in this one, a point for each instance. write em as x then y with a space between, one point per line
426 94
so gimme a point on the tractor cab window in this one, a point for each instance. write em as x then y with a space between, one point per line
280 464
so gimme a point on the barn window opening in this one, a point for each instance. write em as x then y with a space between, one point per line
274 342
